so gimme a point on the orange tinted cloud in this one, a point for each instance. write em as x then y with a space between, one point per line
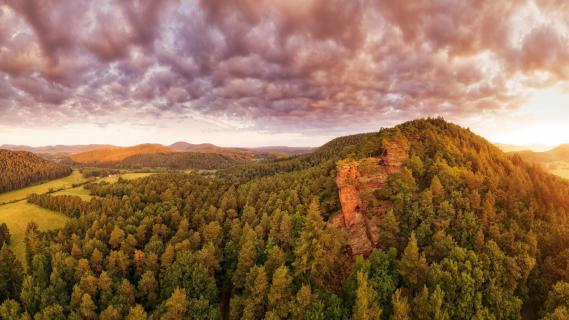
277 65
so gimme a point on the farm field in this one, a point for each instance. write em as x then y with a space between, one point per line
84 193
17 216
127 176
78 191
20 194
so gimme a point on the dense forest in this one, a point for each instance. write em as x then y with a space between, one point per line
180 160
21 168
470 233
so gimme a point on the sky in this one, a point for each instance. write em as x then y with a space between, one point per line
279 72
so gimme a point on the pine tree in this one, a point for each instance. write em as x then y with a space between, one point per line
30 295
110 313
437 190
401 310
137 313
117 237
148 288
10 309
32 241
437 303
421 306
413 266
365 308
280 293
255 294
10 274
176 306
247 256
318 253
389 231
87 307
302 303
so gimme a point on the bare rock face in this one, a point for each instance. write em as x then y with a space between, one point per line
361 211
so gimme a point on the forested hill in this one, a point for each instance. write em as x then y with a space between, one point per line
20 168
180 160
466 232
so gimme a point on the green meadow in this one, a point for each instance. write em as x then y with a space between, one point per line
127 176
19 212
21 194
17 216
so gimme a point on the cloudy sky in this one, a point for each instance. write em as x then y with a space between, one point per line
279 72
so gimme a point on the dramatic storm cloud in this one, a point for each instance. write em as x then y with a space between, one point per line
271 68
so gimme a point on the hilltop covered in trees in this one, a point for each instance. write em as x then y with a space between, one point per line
180 160
471 233
19 169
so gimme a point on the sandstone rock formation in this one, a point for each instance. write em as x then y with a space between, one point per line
361 211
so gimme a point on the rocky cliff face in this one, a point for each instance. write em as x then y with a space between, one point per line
361 211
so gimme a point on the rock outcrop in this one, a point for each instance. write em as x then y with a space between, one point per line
357 182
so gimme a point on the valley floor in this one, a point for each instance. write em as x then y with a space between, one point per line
21 194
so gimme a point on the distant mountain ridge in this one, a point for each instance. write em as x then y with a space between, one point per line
69 149
516 148
555 160
110 154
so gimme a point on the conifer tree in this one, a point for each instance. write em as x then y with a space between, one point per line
318 253
302 303
137 313
255 294
247 256
365 308
413 266
176 306
10 274
280 293
401 310
389 231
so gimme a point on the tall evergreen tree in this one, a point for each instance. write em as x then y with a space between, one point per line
10 274
365 308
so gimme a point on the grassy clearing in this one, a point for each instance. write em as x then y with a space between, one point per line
23 193
85 194
127 176
17 216
81 192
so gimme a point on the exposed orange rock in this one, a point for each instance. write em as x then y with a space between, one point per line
357 181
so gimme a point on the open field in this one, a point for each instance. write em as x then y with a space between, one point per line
84 194
79 191
17 216
127 176
20 194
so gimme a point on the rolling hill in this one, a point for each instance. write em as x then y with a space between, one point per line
180 160
113 154
21 168
514 148
555 160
